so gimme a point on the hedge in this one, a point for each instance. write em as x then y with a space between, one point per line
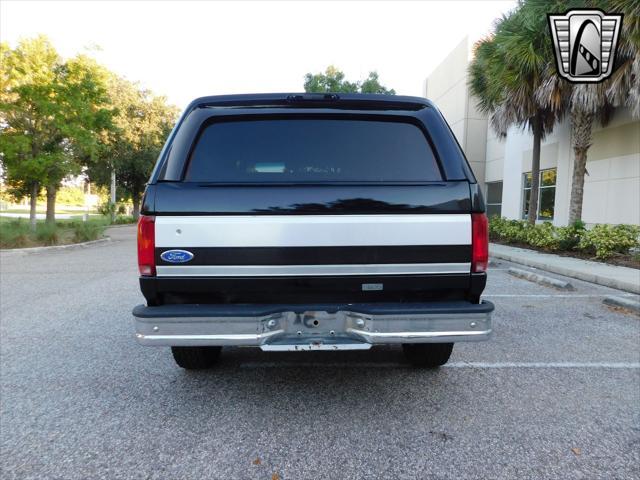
602 241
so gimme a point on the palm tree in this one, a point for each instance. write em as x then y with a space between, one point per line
591 101
514 75
508 68
587 103
624 84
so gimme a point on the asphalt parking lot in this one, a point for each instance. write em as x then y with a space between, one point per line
555 394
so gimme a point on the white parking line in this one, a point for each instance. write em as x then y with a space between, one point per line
626 365
525 295
477 365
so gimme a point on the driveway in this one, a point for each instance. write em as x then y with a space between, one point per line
555 394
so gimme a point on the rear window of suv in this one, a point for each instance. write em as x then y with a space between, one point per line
312 151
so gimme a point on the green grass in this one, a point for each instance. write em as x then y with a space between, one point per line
61 222
70 211
16 232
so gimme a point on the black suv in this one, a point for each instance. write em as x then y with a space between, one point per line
312 222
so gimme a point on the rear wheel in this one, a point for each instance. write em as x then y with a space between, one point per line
196 358
427 354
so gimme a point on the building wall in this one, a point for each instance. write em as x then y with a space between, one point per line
495 148
612 185
447 87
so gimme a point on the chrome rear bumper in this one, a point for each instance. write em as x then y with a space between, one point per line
312 327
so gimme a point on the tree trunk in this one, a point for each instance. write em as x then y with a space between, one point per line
136 205
51 204
535 171
577 185
113 195
33 200
581 136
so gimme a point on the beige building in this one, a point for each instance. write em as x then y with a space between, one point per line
503 166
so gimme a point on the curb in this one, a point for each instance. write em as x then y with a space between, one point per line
540 279
27 251
621 302
568 272
121 225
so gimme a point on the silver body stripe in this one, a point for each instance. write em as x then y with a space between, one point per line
316 270
312 230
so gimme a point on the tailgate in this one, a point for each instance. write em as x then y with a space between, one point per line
275 244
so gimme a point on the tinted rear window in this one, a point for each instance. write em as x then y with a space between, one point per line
312 150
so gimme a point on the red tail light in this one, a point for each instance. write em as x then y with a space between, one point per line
146 245
479 242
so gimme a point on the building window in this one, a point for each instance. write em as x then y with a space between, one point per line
494 199
546 197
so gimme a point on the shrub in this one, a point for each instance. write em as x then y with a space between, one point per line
14 234
603 241
543 236
124 219
16 241
511 231
107 209
17 233
87 231
608 240
496 226
47 234
569 237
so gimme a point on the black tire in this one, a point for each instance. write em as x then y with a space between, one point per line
428 355
196 358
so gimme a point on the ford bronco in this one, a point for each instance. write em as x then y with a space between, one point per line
312 222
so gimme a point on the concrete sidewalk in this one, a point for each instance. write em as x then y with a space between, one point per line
621 278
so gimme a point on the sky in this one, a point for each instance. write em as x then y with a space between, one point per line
186 49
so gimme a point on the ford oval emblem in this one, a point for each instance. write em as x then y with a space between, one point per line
176 256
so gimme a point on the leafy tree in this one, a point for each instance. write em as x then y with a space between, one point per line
155 119
51 116
28 120
333 81
372 85
86 117
71 196
142 123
